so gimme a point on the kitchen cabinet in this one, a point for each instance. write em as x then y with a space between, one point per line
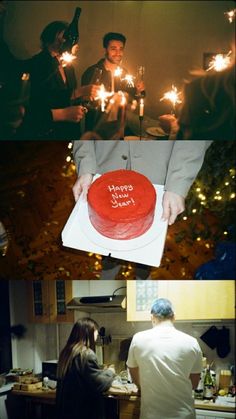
192 300
129 409
47 301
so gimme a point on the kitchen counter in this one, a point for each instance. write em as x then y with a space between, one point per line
127 393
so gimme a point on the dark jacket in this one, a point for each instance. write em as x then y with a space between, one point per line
79 394
209 119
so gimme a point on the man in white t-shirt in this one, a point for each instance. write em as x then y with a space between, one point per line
166 364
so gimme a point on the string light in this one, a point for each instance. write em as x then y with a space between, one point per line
232 195
194 211
70 145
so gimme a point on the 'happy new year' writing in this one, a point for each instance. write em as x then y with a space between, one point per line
120 195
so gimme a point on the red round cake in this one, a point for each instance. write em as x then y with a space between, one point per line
121 204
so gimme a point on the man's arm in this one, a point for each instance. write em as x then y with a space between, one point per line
134 373
195 380
185 162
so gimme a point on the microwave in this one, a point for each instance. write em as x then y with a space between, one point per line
49 369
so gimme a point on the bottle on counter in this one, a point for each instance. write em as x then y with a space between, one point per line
71 34
213 375
208 385
198 392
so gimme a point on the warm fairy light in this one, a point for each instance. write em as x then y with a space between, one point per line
199 239
207 245
172 96
232 172
198 189
225 233
202 197
103 95
232 195
67 58
68 159
220 62
129 79
194 211
70 145
185 218
230 15
217 192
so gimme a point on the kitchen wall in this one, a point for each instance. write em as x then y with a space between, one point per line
43 342
167 37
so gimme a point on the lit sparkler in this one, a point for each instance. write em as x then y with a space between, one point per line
118 71
172 96
220 62
67 58
103 96
129 79
230 15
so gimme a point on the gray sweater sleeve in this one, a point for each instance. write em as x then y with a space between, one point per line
84 157
185 162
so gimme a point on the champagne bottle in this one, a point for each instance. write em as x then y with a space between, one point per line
208 384
71 34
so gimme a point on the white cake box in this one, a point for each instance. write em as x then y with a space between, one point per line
80 234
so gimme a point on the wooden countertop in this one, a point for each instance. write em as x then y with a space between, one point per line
119 395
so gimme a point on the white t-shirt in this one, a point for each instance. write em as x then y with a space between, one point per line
165 357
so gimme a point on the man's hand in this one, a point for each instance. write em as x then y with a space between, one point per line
140 86
69 114
88 92
82 186
169 123
173 205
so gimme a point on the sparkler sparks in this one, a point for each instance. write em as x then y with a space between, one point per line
67 58
103 96
220 62
129 79
172 96
118 71
230 15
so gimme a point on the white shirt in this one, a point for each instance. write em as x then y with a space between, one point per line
165 357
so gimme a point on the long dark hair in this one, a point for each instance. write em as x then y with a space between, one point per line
81 340
50 32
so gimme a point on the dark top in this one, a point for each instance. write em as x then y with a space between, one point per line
48 91
95 119
79 394
207 119
13 91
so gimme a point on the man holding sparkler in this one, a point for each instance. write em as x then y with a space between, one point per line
109 74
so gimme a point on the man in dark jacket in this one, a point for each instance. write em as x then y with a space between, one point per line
103 72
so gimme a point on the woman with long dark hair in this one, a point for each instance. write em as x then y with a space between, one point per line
81 382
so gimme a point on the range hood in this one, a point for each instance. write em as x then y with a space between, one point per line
99 304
